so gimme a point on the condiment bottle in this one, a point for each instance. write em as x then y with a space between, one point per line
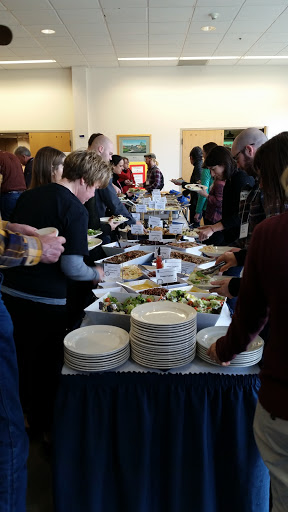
159 262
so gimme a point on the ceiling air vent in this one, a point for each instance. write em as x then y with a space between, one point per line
192 62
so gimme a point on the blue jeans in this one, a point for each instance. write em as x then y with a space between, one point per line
7 204
13 438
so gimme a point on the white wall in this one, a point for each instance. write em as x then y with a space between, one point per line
161 101
36 100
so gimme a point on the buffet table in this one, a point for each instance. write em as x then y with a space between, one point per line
136 440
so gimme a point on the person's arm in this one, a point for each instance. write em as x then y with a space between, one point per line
113 203
154 180
18 247
231 199
205 180
251 313
73 266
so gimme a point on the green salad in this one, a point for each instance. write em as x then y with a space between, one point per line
197 277
211 304
111 304
93 232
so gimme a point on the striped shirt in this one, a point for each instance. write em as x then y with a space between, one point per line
17 249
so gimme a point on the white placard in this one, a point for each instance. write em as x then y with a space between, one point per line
141 208
173 263
156 192
156 236
136 216
151 204
164 251
146 200
137 229
176 229
166 275
155 222
160 205
112 270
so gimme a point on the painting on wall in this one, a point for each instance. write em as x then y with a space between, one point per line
134 147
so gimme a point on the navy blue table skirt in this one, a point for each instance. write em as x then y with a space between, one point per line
144 442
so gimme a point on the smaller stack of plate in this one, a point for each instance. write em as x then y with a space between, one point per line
207 337
96 348
163 334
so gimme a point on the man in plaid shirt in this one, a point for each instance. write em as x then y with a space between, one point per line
154 178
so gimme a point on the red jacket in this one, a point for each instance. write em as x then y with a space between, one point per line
126 176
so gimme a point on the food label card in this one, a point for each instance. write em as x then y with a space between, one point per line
155 236
173 263
155 222
136 216
176 229
151 204
112 270
166 275
137 229
141 208
160 205
156 193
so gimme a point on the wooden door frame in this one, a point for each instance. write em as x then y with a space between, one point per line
214 128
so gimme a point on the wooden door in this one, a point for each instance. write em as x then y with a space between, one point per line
58 140
192 138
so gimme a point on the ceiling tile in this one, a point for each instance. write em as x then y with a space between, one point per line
23 42
170 14
163 63
162 51
37 17
52 40
124 15
74 59
72 16
74 4
104 65
132 50
265 2
272 48
172 3
64 50
133 64
8 19
6 52
250 25
275 37
204 37
252 12
252 62
126 38
13 5
94 40
241 36
108 4
131 28
101 58
219 3
87 29
175 39
31 53
179 27
98 50
229 62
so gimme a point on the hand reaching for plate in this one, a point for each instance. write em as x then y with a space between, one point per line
222 286
211 352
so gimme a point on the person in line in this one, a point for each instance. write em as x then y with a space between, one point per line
47 166
12 184
263 298
270 161
117 164
126 177
19 245
39 293
105 199
220 159
154 178
196 160
207 182
25 158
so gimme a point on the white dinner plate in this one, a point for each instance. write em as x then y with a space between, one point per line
96 339
194 187
207 336
216 251
163 313
105 220
207 284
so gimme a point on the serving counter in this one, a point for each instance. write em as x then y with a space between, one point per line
137 440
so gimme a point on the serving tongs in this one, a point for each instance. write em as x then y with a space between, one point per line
212 270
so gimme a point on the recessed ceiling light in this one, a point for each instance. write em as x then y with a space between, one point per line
147 58
26 61
48 31
208 28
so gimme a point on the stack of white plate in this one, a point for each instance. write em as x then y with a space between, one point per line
163 334
206 337
96 348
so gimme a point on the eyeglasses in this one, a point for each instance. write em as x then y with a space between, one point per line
242 151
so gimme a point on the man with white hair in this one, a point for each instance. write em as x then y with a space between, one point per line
24 156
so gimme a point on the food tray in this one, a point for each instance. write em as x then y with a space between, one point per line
146 258
113 248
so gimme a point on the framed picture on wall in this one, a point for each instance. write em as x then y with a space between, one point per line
134 146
